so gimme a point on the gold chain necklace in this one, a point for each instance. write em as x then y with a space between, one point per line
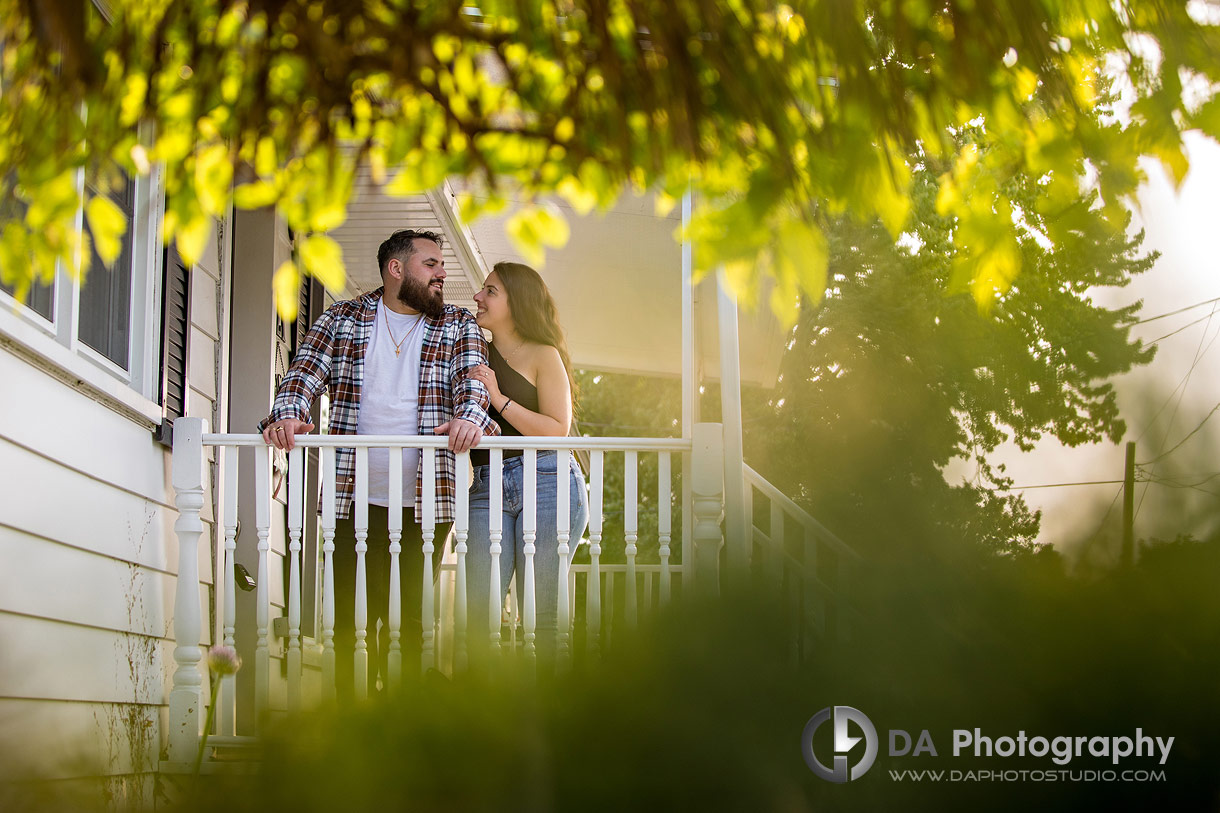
515 349
398 344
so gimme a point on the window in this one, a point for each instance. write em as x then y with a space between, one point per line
106 330
111 321
105 294
40 299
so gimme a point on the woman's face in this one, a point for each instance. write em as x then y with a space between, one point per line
492 309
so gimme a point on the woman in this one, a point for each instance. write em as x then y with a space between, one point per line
530 382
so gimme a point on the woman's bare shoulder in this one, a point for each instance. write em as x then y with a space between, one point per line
543 359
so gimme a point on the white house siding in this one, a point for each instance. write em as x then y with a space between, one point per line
88 559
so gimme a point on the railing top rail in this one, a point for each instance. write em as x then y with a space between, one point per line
825 534
605 444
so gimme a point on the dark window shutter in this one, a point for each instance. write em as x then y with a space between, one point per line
175 334
309 308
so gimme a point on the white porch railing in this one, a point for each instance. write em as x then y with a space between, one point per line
630 584
438 628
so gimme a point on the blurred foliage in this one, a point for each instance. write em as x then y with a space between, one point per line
782 117
703 709
895 373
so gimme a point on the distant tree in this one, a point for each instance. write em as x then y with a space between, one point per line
896 372
624 405
780 116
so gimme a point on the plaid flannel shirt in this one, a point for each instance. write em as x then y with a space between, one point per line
331 358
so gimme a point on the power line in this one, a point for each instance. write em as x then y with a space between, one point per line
1176 481
1179 330
1181 384
1179 310
1060 485
1200 351
1188 436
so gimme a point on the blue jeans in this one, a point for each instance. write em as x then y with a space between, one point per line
512 545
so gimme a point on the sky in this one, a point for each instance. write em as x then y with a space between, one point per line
1161 402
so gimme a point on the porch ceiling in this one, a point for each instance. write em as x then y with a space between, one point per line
617 282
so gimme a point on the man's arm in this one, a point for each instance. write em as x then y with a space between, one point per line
470 399
470 421
306 379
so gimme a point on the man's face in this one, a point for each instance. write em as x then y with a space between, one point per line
423 279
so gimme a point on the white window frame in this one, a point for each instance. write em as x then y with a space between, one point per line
55 344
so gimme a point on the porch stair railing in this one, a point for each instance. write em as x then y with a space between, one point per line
805 565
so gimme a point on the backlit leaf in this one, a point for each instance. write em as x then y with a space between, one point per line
107 224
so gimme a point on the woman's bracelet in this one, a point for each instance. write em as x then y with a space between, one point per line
507 401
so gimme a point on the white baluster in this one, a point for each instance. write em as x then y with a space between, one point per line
609 636
563 525
360 511
428 604
394 657
593 592
707 483
775 561
461 530
815 602
843 588
186 695
496 535
227 711
630 529
329 498
571 598
529 533
747 511
262 607
664 521
296 512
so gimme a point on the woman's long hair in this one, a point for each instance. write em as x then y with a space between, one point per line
534 313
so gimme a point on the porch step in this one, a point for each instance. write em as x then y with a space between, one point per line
224 755
233 749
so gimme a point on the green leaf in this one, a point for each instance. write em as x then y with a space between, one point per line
535 227
107 224
286 282
254 195
192 237
213 175
323 260
802 255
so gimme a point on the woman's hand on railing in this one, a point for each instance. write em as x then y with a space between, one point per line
282 434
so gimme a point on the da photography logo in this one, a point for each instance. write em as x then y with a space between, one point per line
844 743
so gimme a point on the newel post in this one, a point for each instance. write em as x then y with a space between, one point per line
186 696
707 494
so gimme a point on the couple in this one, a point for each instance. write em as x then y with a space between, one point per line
399 361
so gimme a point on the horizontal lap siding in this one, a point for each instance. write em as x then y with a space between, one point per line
42 740
88 562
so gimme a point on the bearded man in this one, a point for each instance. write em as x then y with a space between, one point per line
395 362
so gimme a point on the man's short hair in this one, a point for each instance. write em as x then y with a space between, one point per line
401 245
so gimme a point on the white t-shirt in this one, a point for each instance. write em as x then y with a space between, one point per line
389 398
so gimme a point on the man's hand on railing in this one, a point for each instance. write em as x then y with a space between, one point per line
281 433
462 434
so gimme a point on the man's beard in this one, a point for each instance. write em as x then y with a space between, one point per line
418 296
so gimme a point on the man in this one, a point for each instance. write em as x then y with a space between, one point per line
395 362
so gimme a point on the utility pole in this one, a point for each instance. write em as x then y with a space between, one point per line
1129 507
